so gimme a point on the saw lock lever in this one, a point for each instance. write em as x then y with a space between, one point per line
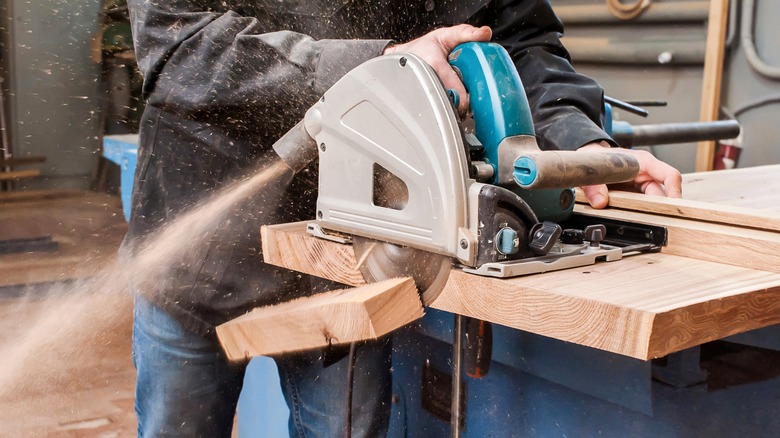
544 235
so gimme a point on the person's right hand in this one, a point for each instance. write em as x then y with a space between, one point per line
434 48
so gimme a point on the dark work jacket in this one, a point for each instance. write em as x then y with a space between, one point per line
224 79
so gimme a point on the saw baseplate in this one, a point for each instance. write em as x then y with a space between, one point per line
621 239
560 257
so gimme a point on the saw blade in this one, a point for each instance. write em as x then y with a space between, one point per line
379 261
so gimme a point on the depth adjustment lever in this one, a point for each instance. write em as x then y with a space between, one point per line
544 235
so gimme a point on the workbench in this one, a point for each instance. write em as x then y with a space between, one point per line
573 349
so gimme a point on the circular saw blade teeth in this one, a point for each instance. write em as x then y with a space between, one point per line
379 261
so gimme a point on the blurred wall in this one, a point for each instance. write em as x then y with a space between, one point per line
601 48
53 87
54 90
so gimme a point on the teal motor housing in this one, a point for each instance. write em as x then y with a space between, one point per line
500 110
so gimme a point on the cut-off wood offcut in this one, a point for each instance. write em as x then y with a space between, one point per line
329 318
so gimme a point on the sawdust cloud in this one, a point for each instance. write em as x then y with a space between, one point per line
54 329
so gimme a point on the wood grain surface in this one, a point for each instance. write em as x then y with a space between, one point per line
713 73
296 251
643 306
334 317
751 187
732 245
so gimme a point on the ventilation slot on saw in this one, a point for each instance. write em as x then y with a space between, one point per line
389 190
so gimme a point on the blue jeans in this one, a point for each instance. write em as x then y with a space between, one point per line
185 386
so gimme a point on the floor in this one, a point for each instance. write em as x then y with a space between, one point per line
86 394
65 362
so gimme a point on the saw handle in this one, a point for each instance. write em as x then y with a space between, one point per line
561 169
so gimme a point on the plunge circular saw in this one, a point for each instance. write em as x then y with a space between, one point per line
418 190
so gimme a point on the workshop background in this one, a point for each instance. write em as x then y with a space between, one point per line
68 80
54 87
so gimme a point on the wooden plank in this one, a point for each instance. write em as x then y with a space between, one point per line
745 247
713 72
288 248
19 174
753 187
690 209
33 195
22 161
335 317
628 307
643 306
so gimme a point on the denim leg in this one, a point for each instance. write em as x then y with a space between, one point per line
317 395
185 386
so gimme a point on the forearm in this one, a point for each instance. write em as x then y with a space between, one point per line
567 107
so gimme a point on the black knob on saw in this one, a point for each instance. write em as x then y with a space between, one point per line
543 237
572 236
595 234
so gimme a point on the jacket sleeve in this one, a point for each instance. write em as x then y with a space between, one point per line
225 68
567 107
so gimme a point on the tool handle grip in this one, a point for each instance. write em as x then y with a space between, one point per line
562 169
627 135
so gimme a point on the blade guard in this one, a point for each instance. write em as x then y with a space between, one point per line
390 119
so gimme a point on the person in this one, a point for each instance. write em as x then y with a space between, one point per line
222 81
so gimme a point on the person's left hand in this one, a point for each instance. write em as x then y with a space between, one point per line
655 177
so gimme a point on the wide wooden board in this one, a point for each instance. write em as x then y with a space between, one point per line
751 187
738 246
328 318
692 209
643 306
